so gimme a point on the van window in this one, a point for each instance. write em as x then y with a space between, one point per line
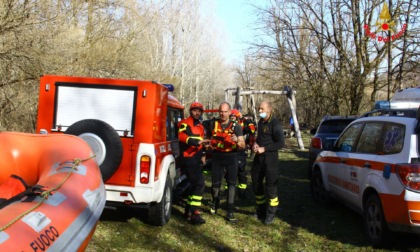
172 119
334 126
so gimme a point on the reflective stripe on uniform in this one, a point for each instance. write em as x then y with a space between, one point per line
194 200
260 199
242 186
274 202
183 127
194 137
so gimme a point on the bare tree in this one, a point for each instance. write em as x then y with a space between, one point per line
322 49
19 61
170 41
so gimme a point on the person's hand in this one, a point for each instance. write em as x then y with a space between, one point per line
204 142
255 147
208 147
234 138
260 150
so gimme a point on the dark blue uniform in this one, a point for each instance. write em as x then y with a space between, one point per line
265 165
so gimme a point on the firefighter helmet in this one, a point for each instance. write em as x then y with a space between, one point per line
196 105
235 112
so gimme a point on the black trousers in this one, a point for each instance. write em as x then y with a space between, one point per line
194 172
224 163
242 179
265 166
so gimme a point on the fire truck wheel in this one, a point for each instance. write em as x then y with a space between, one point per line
104 141
160 213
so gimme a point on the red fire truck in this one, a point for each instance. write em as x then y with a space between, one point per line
131 126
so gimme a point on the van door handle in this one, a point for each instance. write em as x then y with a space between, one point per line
367 165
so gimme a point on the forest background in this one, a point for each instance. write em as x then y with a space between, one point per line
329 52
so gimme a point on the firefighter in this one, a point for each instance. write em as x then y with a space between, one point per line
191 140
236 116
269 140
249 130
226 139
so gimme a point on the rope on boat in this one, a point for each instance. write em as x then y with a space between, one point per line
44 195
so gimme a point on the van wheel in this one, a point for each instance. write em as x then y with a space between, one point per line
160 213
104 142
318 192
374 223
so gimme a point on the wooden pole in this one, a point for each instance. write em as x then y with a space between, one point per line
262 92
292 104
253 108
238 101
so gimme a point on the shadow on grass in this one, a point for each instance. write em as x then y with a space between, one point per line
125 222
301 225
335 222
124 214
190 231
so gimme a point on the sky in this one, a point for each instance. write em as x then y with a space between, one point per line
237 17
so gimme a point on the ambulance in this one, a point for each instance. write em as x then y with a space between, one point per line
374 169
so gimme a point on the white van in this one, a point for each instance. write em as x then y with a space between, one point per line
406 98
402 99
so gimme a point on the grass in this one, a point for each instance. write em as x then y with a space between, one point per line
301 225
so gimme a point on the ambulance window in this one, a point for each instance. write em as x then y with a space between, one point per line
346 142
370 138
392 138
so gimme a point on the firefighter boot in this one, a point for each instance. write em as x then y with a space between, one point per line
196 218
187 212
231 204
271 213
261 212
242 194
214 206
231 217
